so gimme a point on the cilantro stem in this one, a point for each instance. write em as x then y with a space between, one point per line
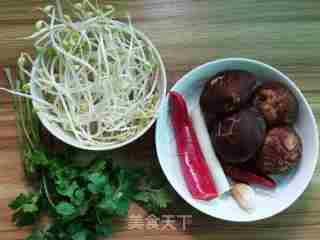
18 110
45 187
29 115
23 124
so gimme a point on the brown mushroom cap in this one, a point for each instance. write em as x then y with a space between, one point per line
281 151
277 103
227 92
238 137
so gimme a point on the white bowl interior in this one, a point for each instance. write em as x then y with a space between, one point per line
68 138
268 202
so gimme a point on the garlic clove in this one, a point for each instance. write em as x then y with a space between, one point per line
244 195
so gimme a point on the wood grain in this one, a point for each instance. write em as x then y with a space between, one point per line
188 33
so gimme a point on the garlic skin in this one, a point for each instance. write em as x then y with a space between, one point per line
244 195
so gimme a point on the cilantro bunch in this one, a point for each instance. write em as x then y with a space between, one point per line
82 199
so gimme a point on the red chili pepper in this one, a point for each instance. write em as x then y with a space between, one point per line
194 168
242 175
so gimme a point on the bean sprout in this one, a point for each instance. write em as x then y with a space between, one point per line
99 79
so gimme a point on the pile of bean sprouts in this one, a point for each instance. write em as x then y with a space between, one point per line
98 78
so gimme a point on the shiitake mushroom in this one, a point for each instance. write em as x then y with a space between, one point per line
280 152
277 103
227 92
238 137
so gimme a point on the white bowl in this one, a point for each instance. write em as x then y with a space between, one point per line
268 202
70 139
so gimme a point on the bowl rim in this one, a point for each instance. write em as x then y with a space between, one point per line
310 113
162 93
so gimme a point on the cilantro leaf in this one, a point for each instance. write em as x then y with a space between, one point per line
104 230
66 189
153 194
97 182
153 200
19 201
79 197
80 235
65 209
108 205
122 207
78 232
35 161
98 166
26 209
36 235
